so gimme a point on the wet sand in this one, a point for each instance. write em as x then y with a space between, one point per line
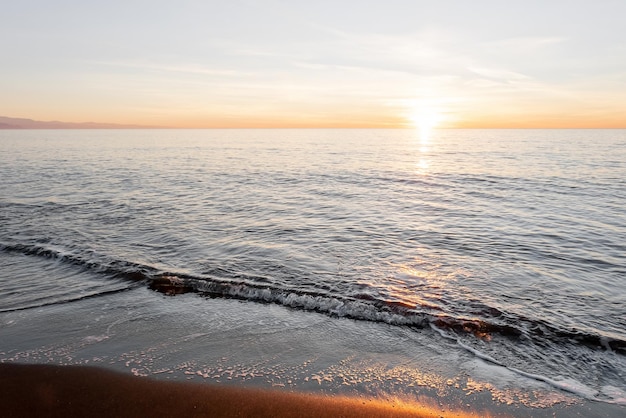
77 391
189 356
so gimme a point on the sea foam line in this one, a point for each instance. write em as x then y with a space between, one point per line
617 397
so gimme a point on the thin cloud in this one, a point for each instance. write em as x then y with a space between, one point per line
526 43
499 74
185 69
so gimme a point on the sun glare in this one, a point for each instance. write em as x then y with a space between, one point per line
425 118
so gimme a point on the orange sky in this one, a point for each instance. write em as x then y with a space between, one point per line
397 63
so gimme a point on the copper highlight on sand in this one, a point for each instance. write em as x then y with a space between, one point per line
73 391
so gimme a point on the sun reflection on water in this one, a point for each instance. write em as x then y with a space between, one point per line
425 116
424 139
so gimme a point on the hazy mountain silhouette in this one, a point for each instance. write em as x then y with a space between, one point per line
22 123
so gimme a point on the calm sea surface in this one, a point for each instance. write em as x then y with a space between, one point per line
510 242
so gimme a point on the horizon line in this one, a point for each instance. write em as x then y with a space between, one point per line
13 123
87 128
300 127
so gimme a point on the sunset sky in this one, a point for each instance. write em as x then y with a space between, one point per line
316 63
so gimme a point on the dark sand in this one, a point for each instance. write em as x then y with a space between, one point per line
73 391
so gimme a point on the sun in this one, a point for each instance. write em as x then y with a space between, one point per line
425 118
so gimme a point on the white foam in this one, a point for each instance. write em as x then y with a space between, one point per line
321 303
609 394
616 394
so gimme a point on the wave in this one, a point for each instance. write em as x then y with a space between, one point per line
606 393
104 265
361 306
61 301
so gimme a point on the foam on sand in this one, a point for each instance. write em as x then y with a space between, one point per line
67 391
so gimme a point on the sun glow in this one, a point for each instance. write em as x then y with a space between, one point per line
424 115
425 118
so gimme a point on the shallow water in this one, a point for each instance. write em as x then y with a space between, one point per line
509 244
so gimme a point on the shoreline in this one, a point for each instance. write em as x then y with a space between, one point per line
66 391
252 351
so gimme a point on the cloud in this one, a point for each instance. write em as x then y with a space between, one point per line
499 74
192 69
525 43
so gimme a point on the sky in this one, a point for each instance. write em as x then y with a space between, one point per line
366 64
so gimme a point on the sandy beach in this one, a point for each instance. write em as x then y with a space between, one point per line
160 357
75 391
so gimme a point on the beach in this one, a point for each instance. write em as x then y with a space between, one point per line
73 391
276 208
472 272
117 353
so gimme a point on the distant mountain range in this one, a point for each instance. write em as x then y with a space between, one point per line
21 123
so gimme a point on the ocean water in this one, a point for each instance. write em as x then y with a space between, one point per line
508 244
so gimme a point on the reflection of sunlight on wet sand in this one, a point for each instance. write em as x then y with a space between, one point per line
112 392
401 379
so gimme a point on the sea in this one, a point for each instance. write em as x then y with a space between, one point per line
502 253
